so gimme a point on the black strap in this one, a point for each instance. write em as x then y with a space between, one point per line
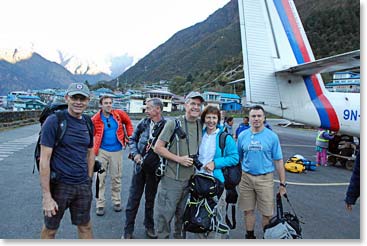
279 206
222 141
61 126
90 126
187 136
286 197
228 222
177 124
97 186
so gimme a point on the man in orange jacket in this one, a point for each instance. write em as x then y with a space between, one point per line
109 139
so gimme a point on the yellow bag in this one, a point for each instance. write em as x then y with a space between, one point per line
294 165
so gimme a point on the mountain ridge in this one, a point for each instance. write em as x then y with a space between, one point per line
196 56
33 71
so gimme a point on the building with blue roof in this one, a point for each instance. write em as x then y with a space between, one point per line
224 101
345 82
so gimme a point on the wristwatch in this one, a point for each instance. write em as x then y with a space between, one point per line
283 184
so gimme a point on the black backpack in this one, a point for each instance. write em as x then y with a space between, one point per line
199 215
59 110
232 177
151 160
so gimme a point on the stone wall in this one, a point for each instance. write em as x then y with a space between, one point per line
18 118
21 118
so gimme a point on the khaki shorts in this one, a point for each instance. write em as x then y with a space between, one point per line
256 191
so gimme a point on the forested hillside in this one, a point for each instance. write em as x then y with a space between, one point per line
208 54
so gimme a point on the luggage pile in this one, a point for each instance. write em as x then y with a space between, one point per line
298 164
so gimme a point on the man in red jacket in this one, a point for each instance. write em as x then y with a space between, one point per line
109 138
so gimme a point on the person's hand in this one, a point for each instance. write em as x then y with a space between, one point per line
50 207
138 159
209 167
282 190
186 161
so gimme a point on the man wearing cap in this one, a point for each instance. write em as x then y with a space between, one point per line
112 129
66 169
173 188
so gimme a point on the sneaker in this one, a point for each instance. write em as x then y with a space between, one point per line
117 207
100 211
127 236
151 233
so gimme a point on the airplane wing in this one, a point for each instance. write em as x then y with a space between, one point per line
329 64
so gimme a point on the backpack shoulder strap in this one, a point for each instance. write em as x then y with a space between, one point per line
90 125
156 132
61 126
177 125
222 141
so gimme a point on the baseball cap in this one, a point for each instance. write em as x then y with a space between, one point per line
78 88
194 94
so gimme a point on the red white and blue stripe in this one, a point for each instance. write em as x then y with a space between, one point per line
327 114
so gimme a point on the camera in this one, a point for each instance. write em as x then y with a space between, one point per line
197 163
98 167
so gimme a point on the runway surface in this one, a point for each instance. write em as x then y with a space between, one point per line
317 196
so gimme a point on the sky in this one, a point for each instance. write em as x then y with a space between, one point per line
98 31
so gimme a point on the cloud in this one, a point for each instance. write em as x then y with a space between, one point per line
119 64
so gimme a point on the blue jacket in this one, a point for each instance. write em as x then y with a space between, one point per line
230 156
241 128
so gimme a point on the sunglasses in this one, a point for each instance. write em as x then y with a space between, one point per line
108 123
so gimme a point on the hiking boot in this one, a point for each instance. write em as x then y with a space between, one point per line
250 236
151 233
117 207
100 211
127 236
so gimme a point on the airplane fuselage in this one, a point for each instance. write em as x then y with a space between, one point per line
281 73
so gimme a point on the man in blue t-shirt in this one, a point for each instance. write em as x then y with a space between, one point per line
260 154
66 170
112 128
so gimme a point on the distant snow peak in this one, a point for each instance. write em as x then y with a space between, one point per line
78 66
15 55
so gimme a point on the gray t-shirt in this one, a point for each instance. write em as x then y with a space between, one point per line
194 135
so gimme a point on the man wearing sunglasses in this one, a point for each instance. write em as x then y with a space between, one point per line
66 168
112 129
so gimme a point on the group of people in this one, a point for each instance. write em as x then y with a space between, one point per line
66 170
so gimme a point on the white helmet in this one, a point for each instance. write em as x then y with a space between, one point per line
299 157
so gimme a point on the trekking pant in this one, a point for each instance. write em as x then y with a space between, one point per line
141 180
171 200
321 156
112 163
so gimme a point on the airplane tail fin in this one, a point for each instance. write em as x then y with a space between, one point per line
273 40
